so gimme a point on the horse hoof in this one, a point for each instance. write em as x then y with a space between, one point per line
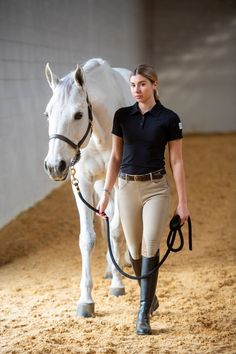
108 275
117 291
85 310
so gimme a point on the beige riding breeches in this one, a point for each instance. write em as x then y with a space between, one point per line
143 207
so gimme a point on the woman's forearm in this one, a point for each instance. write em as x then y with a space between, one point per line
112 173
179 178
177 167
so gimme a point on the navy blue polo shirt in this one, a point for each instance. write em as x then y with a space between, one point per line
145 137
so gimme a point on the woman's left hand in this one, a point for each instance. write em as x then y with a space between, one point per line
183 212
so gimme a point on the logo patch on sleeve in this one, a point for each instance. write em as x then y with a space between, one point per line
180 125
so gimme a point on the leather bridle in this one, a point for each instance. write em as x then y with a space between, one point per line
77 146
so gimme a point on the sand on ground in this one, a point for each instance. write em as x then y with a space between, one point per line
41 267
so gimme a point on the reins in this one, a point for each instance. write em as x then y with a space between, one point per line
175 228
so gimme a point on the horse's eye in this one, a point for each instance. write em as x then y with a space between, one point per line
78 115
45 114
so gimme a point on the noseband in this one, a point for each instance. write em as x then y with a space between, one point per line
76 147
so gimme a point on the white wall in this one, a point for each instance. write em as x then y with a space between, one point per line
192 43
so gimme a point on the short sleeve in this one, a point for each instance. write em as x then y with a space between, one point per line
174 128
117 129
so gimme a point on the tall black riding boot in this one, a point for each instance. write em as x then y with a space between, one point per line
137 265
148 288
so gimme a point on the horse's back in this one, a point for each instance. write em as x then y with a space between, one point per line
94 63
122 77
124 72
105 81
102 66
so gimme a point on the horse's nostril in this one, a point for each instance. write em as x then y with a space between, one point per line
62 166
45 165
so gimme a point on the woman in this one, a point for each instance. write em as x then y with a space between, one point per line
140 134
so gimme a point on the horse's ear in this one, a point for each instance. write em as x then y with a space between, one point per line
79 76
52 78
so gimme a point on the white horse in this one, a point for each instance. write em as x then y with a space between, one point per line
69 115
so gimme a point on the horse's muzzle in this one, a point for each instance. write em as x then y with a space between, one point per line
57 172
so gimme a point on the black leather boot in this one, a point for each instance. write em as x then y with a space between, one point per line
137 265
148 288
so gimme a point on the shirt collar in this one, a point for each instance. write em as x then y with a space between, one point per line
135 109
154 111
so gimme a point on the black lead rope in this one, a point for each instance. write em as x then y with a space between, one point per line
175 228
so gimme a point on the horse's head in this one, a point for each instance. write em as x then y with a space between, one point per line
70 121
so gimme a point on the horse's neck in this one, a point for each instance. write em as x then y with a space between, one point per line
103 109
100 135
108 90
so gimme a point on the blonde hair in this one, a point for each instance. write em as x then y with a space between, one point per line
149 73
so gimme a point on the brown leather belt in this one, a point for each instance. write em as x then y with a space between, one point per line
147 177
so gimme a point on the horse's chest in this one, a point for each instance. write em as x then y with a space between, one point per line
95 163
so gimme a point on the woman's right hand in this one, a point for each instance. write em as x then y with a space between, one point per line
103 203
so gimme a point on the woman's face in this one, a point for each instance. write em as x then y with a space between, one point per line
142 89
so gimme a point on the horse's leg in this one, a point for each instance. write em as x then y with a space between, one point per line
127 262
117 287
98 186
85 305
108 272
